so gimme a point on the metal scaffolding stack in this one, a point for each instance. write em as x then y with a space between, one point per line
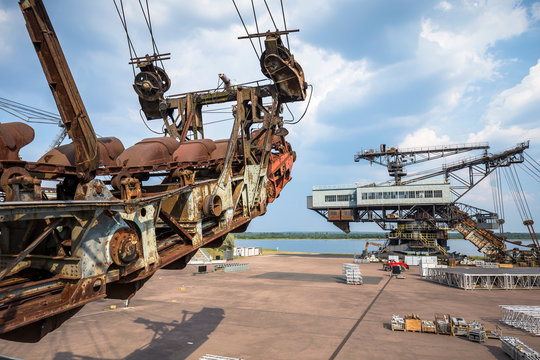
351 273
522 317
518 350
481 278
233 267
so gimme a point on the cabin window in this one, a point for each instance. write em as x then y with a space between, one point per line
330 198
420 194
344 197
429 193
437 193
364 196
371 196
411 195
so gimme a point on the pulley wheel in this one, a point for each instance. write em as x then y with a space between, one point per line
165 80
148 85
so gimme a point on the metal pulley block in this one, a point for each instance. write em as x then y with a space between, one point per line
151 83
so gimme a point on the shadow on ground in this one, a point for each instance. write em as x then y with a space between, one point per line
331 278
171 340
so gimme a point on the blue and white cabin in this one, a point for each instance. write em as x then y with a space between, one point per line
352 196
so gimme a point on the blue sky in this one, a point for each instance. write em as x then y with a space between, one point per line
405 73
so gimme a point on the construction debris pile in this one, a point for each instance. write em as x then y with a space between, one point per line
517 350
352 274
523 317
444 324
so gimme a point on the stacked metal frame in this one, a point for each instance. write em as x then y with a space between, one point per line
480 278
522 316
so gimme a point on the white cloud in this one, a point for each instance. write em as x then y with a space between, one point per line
444 6
510 115
535 11
520 99
424 137
4 29
336 81
460 51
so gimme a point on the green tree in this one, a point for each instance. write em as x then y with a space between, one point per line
228 243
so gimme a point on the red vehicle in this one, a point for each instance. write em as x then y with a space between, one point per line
387 266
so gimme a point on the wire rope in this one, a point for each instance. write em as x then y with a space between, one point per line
148 127
245 28
256 25
285 25
122 16
270 13
306 109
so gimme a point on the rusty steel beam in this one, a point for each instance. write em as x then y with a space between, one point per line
63 87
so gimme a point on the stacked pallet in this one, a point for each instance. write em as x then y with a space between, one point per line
351 274
398 323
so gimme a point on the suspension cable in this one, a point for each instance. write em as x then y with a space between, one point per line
245 28
270 13
531 158
122 16
522 193
285 25
29 114
501 197
256 25
530 172
148 21
515 195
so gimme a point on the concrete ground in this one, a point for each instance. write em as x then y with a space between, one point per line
283 307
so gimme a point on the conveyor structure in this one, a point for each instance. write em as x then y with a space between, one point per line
417 210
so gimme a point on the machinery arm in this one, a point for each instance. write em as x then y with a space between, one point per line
63 87
396 159
479 168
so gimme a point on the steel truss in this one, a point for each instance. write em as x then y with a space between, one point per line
470 281
522 317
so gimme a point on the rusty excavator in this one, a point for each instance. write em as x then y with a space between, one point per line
116 215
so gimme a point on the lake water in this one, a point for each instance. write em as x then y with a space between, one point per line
344 246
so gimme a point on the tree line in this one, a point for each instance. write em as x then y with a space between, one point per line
342 236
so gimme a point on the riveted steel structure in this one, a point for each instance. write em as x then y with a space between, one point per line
109 225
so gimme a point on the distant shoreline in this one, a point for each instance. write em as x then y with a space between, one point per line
337 239
343 236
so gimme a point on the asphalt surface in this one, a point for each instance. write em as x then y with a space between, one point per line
283 307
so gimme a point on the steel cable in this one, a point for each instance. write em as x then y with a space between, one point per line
256 25
245 28
285 25
270 13
307 107
122 17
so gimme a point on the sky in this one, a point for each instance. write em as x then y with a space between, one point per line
402 73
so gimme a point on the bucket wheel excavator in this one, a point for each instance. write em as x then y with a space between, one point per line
117 215
419 213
